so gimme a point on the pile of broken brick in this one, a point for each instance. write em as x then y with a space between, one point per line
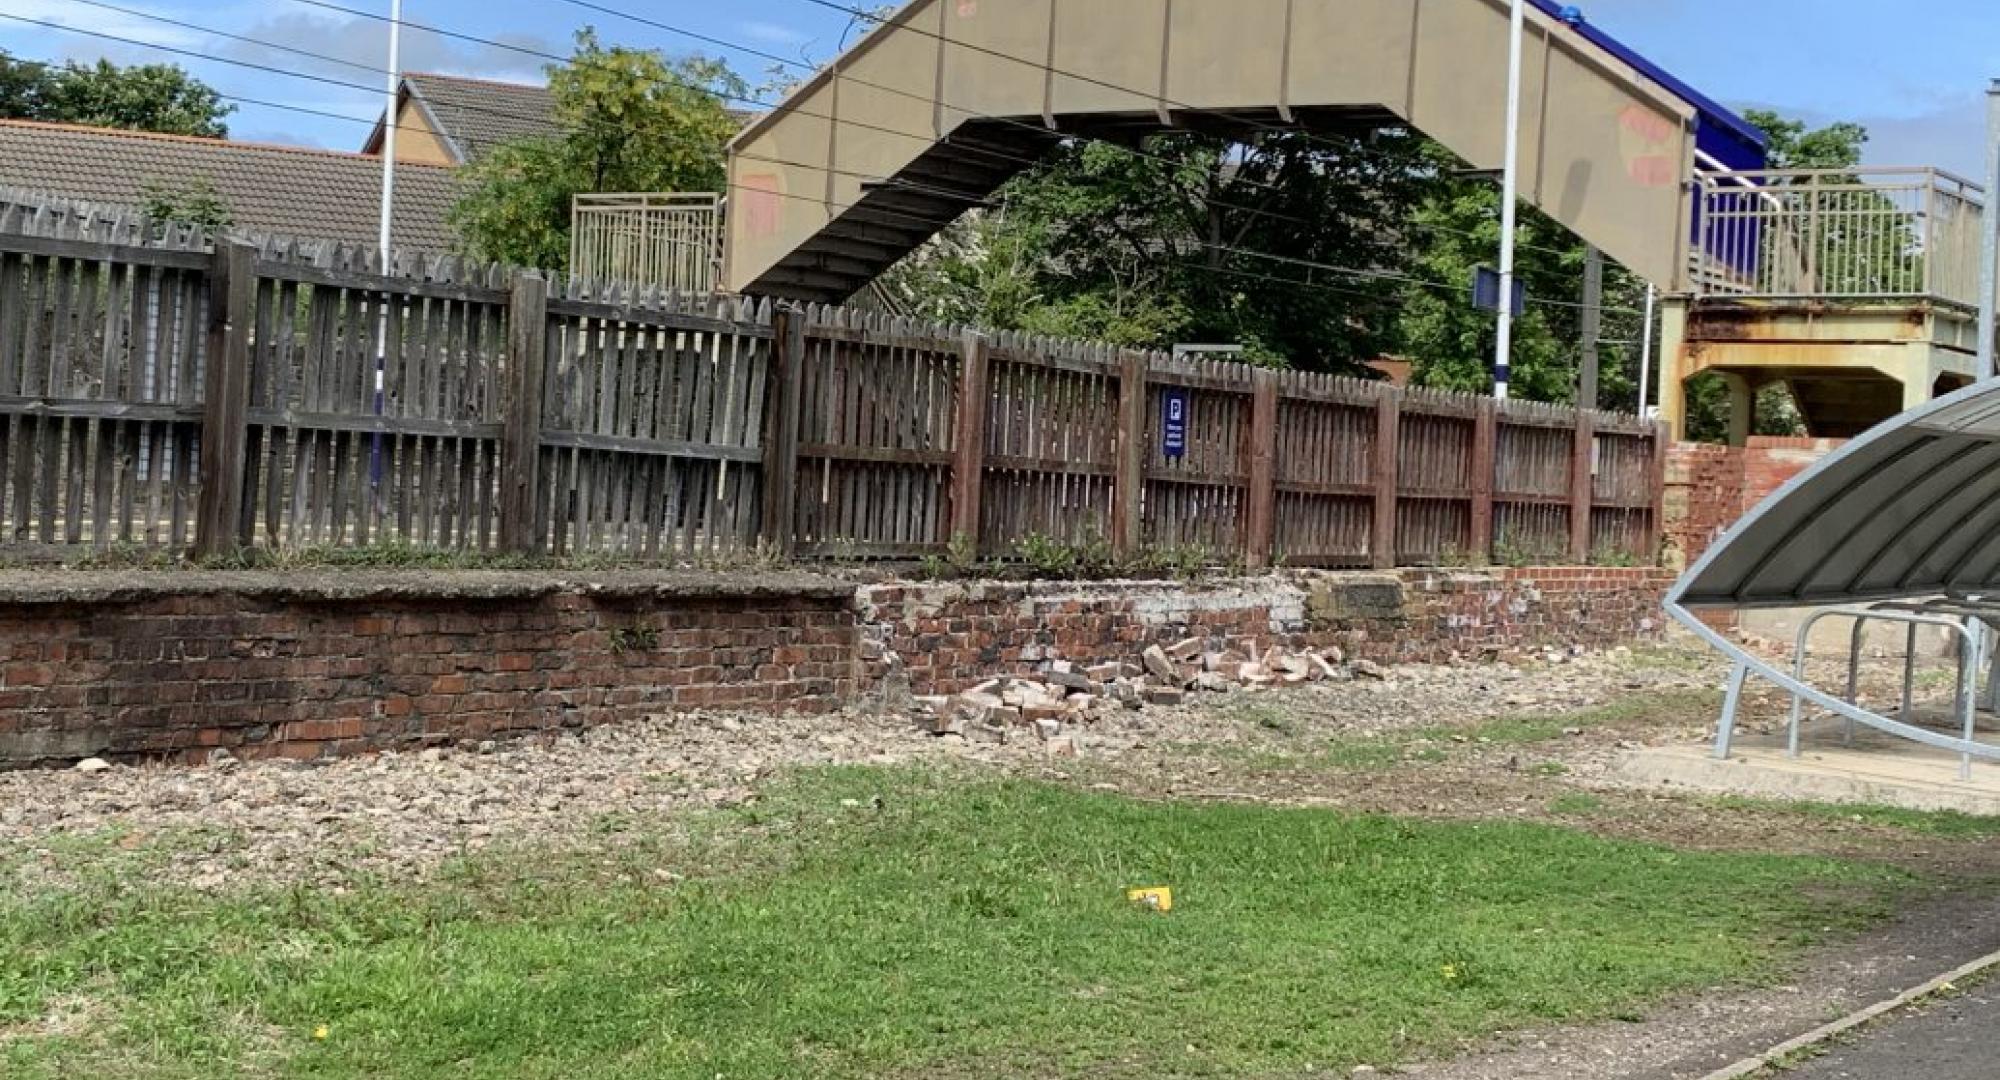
1062 693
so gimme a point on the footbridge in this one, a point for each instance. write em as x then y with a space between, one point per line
1855 290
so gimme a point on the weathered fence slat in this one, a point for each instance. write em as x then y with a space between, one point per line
520 439
1388 437
968 470
340 399
232 300
1263 473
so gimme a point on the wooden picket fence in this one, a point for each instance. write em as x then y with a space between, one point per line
160 395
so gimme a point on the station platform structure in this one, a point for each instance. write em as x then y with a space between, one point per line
1856 290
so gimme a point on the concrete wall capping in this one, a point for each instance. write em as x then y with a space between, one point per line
27 587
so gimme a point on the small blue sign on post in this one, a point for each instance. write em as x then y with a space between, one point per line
1173 422
1486 291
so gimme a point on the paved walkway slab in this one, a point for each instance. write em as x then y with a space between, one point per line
1876 768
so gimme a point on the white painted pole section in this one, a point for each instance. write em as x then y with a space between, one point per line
1989 236
385 245
1510 189
389 125
1646 351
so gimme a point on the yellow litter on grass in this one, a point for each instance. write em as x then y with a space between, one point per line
1160 899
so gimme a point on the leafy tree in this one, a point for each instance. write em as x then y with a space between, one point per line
1773 412
1450 342
1795 146
143 97
631 120
196 202
1150 250
988 269
20 88
1195 239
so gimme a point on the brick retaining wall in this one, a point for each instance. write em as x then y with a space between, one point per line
173 665
949 636
306 666
1709 487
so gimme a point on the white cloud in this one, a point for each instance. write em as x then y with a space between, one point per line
1948 135
110 23
770 33
357 50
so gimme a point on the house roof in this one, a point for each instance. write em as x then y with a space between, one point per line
286 190
472 116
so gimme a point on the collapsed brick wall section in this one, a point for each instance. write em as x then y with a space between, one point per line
1709 487
268 668
174 666
943 638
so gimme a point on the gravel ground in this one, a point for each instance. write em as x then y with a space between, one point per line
401 814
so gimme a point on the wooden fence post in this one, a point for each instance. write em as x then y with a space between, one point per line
968 466
1656 529
1581 483
521 430
1388 435
232 304
1485 455
782 381
1128 484
1263 519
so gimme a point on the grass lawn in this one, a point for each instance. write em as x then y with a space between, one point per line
1388 750
1945 824
883 922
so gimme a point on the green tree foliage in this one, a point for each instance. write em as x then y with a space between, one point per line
143 97
20 87
1450 343
1796 146
1152 250
1196 239
631 120
195 202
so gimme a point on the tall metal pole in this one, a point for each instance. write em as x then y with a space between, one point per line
385 244
1646 350
1510 188
395 84
1989 236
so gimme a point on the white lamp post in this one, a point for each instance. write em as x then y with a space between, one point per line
1510 188
389 125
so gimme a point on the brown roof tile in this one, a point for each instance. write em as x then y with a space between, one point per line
286 190
476 115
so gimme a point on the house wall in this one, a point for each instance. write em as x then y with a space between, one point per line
417 140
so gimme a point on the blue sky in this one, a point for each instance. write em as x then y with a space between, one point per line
790 28
1917 81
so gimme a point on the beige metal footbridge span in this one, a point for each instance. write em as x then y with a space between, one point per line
1856 290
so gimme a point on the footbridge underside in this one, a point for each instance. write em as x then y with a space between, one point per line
940 105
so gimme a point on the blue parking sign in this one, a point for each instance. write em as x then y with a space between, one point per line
1173 422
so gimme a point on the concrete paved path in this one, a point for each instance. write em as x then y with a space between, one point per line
1954 1038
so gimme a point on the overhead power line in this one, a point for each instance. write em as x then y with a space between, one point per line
918 219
